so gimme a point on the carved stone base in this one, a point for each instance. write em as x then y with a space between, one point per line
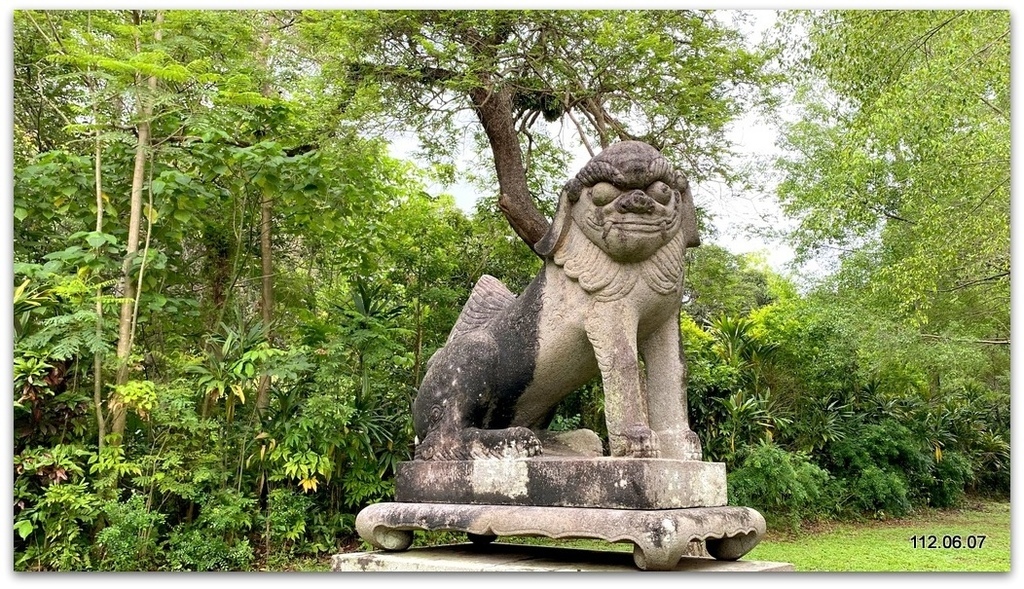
622 483
659 536
500 557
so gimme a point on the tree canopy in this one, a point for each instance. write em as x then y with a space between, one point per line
674 79
901 156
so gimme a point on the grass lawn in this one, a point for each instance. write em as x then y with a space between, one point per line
888 545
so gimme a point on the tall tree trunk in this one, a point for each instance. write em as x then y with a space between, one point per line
97 385
97 390
266 249
494 109
129 293
419 344
267 292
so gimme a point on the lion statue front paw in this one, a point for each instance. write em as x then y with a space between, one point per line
641 442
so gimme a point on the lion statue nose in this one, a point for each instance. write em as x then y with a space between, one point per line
636 201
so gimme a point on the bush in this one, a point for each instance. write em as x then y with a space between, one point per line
884 468
59 528
191 548
784 486
55 508
286 521
881 492
128 543
952 473
216 541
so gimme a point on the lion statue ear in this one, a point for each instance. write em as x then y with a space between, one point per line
689 227
553 239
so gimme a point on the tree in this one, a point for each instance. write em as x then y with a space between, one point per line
900 159
367 271
671 78
719 282
129 307
134 88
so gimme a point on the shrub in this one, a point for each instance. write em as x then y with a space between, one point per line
286 521
63 516
191 548
884 467
216 541
54 508
879 491
785 486
952 473
128 543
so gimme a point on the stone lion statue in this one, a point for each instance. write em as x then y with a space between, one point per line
607 301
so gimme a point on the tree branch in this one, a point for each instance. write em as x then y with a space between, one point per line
989 195
579 128
896 217
975 282
1001 114
987 342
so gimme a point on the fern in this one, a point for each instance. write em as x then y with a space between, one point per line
66 347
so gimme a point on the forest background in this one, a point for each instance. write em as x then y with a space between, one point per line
226 286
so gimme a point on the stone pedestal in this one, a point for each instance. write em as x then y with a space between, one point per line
633 483
659 506
659 536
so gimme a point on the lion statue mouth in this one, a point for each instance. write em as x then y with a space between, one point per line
635 224
629 237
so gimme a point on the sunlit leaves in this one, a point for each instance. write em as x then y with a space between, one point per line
902 155
139 396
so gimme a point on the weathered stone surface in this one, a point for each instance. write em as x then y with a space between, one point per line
573 443
625 483
660 536
509 558
609 292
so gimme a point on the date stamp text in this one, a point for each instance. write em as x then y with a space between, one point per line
948 541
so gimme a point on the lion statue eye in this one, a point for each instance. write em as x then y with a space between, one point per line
660 192
603 193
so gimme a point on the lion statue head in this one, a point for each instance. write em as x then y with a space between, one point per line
627 214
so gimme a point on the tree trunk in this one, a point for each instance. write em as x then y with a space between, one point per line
124 340
419 343
97 391
267 292
266 250
97 385
494 109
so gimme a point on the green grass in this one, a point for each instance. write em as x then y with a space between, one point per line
887 546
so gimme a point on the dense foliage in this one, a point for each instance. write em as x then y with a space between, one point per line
892 374
226 289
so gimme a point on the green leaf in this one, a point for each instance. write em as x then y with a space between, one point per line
24 528
95 239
